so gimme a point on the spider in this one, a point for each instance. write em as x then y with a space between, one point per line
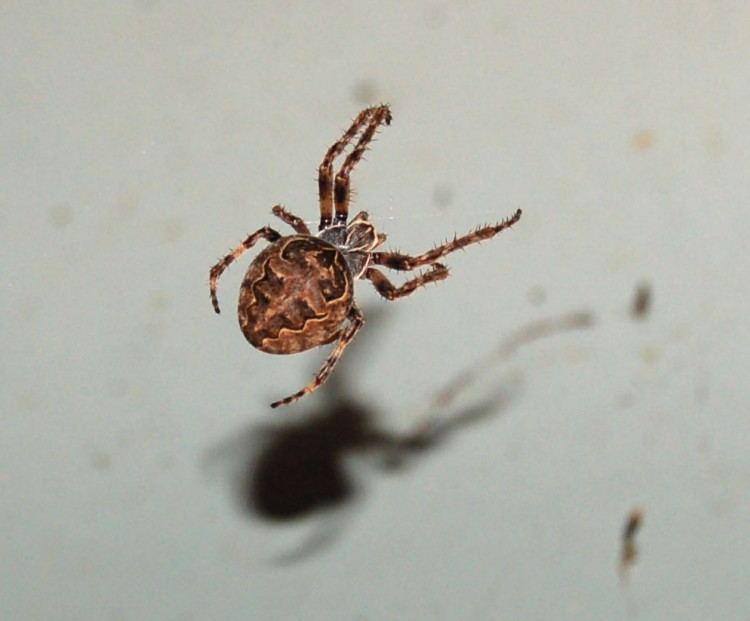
298 292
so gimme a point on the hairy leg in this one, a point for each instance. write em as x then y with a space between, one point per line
217 270
356 321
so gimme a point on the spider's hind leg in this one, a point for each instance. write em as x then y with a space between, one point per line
297 223
356 321
217 270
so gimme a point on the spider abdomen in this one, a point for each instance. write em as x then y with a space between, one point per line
296 295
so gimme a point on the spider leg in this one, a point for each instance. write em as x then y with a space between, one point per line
404 262
341 191
217 270
325 171
390 292
294 221
356 321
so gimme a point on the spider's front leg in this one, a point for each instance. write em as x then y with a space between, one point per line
217 270
342 188
325 171
356 321
390 292
370 119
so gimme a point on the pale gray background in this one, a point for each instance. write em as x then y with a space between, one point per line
140 140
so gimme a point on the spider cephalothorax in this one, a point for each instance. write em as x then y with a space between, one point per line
298 293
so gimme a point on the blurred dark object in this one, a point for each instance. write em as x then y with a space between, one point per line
642 300
301 468
307 465
629 550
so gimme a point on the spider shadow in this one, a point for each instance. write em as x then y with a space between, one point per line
290 471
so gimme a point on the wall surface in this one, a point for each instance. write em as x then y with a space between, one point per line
481 444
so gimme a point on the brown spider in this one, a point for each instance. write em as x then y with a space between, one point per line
298 293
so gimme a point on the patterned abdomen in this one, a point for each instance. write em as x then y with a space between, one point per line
296 295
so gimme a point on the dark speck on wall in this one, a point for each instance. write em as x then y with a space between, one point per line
644 139
366 92
61 216
172 230
442 196
537 295
641 301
